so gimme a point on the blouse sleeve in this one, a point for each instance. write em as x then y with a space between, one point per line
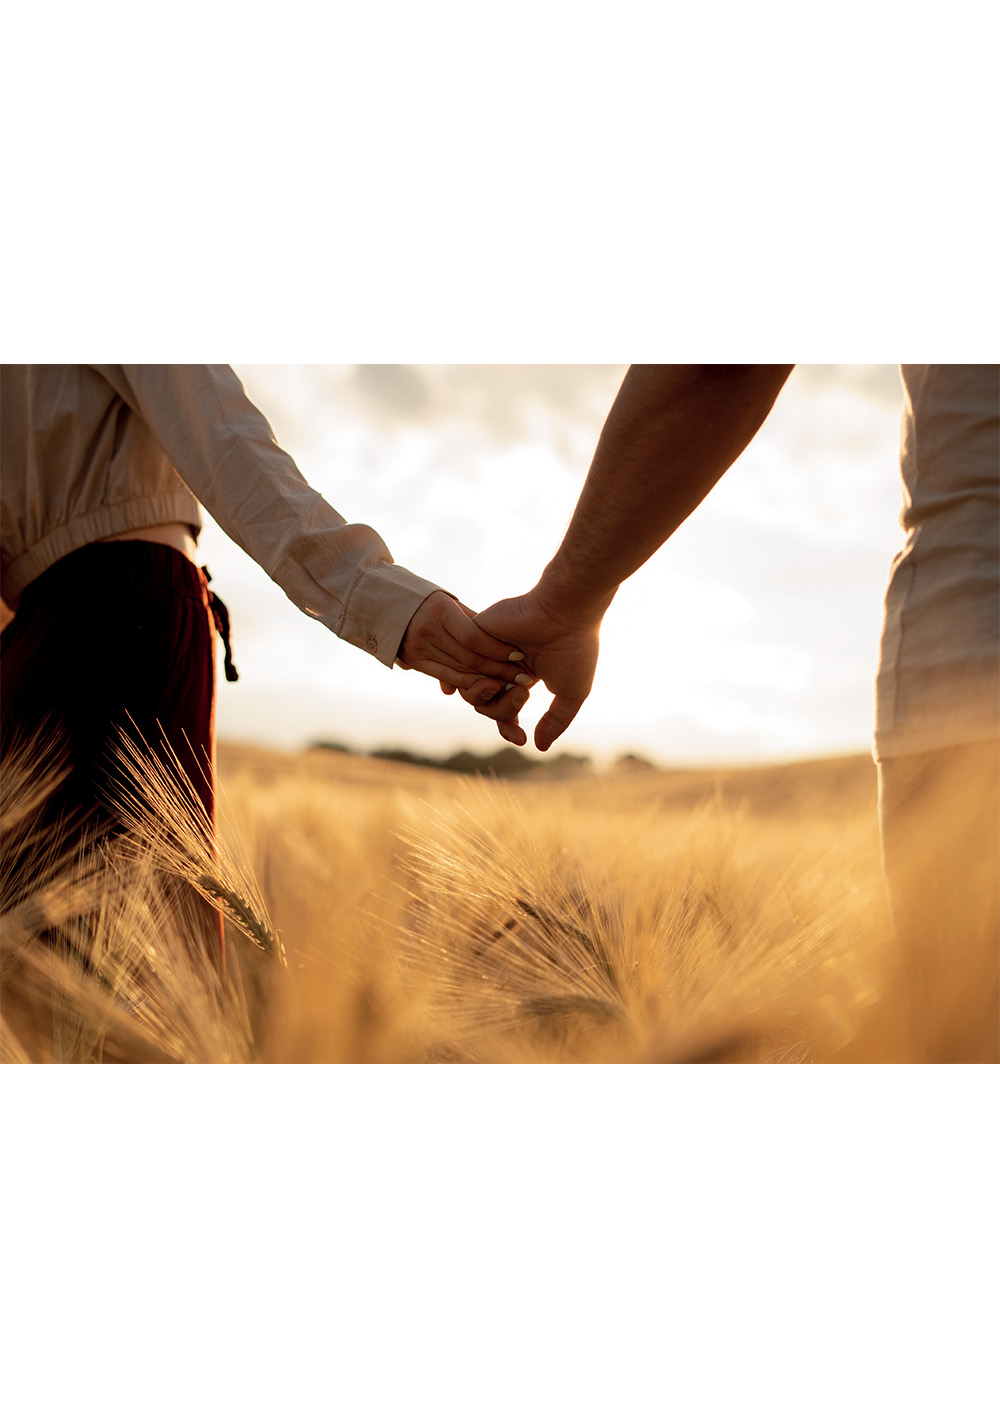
224 450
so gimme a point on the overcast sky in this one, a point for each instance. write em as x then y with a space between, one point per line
752 634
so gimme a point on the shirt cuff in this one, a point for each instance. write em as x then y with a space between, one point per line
381 603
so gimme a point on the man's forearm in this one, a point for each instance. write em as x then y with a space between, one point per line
670 435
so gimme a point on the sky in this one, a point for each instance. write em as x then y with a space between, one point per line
751 636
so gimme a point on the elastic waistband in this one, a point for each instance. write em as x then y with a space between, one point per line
114 566
90 527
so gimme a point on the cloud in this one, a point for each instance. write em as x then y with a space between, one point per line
504 404
512 403
392 391
878 381
510 400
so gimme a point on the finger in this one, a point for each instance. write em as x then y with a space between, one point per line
505 707
474 688
510 730
555 721
477 665
451 679
506 721
465 668
481 691
476 641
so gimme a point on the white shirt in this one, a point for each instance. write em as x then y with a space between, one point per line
939 668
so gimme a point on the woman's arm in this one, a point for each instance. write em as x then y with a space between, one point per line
337 572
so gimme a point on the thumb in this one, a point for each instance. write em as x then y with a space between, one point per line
555 721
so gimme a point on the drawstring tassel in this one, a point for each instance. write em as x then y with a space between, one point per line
221 617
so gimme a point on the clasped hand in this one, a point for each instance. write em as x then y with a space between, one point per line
474 655
444 641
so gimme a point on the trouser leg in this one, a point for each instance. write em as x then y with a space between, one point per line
939 816
116 635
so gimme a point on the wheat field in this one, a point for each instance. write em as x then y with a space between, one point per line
378 912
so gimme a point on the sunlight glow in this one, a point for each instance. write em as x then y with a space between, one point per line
753 633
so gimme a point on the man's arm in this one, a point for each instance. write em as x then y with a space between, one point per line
670 435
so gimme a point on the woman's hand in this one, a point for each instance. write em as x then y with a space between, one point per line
443 641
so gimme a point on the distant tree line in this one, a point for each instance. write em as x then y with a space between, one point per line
507 762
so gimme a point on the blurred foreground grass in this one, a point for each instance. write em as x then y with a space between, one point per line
427 916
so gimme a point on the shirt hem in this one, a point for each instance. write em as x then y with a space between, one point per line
93 526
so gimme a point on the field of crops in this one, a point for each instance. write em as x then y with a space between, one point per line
381 912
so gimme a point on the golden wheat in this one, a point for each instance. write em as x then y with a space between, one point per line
433 917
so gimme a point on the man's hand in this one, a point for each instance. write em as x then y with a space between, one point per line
443 640
560 649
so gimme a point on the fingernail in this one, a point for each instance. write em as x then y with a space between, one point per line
515 654
520 699
507 687
524 679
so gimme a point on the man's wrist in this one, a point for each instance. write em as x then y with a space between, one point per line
569 599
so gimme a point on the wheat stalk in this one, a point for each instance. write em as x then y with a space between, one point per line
168 823
501 938
98 946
